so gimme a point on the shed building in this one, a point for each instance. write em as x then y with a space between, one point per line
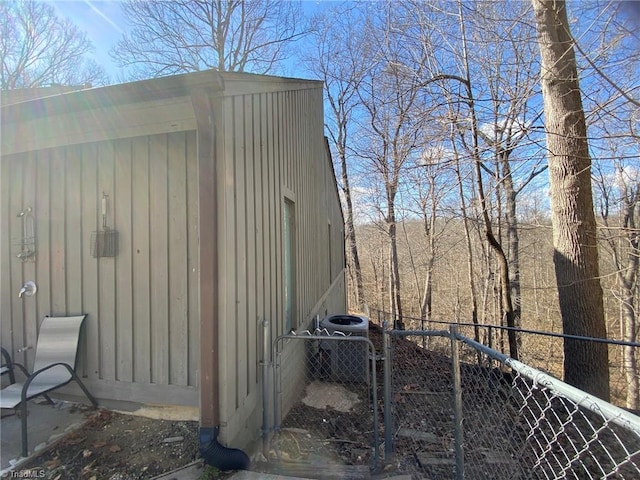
178 213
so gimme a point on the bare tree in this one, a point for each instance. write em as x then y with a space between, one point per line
586 364
431 190
466 96
609 53
38 48
337 59
394 115
507 73
181 36
621 232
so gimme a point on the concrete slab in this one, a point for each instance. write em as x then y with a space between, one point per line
246 475
45 425
193 471
322 395
196 470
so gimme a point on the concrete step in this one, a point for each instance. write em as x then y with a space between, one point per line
313 470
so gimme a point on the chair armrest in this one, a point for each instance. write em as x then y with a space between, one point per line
8 365
22 368
6 358
32 377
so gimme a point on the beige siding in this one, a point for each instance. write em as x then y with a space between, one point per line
142 330
271 147
96 121
137 144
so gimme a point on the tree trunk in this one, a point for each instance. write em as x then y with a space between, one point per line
394 269
586 364
491 239
429 222
628 279
469 250
513 240
630 363
351 231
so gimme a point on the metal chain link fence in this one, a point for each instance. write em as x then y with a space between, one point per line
450 408
544 350
325 401
471 412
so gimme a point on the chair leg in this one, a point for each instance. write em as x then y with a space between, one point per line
84 389
25 444
48 399
9 414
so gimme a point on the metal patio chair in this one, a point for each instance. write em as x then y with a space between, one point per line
54 367
7 365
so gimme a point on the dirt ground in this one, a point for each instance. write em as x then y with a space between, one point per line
113 446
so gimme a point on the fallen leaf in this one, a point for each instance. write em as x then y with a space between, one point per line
86 453
114 448
105 415
51 464
74 439
99 444
87 468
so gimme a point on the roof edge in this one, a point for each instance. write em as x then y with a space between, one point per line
140 91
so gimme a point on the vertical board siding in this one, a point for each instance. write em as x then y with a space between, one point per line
106 269
43 236
30 308
90 361
140 251
241 313
143 304
58 232
227 253
251 346
122 215
193 260
158 252
73 243
7 213
15 204
273 149
178 260
259 236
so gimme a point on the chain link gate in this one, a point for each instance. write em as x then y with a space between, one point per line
325 401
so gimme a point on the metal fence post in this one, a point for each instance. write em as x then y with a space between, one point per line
457 403
388 445
275 362
265 386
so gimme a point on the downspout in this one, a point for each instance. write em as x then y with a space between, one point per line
211 450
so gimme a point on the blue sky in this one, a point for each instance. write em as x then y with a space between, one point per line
104 23
101 20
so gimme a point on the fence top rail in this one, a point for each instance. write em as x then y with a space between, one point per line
609 341
420 333
608 411
324 335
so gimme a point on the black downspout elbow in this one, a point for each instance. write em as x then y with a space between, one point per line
219 456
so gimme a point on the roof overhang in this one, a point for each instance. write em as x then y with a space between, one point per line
145 107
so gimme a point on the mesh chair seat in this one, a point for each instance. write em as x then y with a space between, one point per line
54 367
